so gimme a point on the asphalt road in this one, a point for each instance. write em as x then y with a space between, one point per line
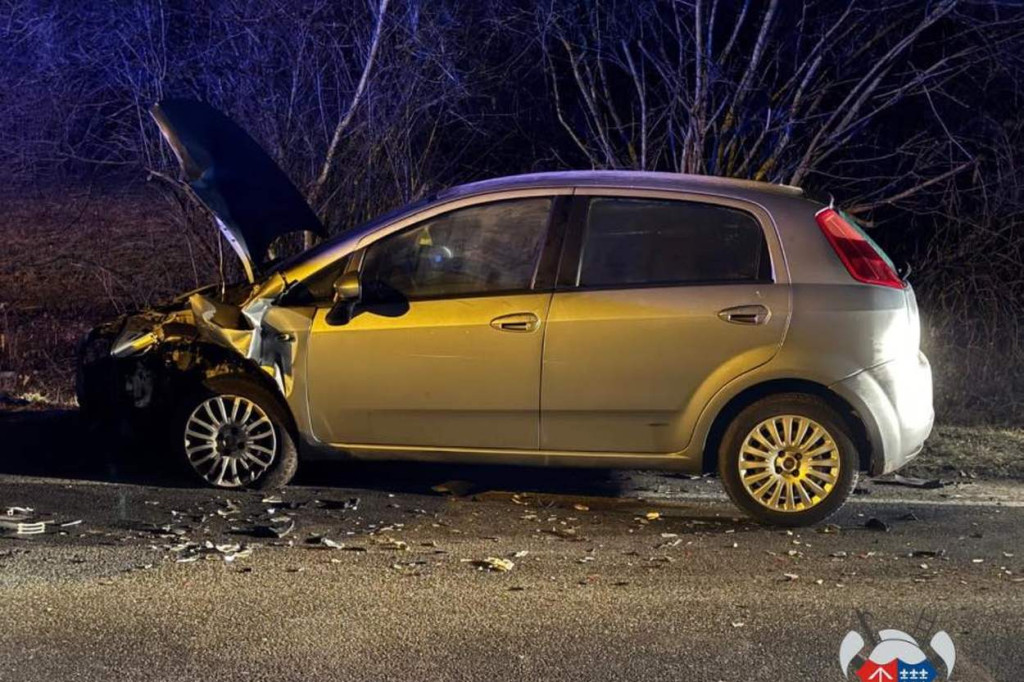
598 591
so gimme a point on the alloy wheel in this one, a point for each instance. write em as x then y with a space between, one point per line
789 463
230 441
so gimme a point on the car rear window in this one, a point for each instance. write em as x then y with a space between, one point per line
654 242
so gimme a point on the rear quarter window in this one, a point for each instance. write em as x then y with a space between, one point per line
635 242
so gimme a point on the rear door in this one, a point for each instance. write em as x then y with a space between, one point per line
661 302
445 348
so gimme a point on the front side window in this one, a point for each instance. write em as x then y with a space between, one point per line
475 250
652 241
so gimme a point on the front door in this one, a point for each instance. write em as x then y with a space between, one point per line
665 302
445 348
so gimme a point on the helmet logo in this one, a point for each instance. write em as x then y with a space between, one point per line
894 656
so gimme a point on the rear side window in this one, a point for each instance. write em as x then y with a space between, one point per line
653 242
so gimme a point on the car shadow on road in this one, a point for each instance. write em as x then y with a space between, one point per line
58 443
460 479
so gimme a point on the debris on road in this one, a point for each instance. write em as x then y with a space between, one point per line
279 527
167 530
19 511
493 564
229 509
351 504
26 521
22 527
189 552
387 542
321 541
567 533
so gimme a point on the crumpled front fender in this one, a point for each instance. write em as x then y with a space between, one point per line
245 330
238 329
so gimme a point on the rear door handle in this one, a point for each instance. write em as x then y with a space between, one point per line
516 322
746 314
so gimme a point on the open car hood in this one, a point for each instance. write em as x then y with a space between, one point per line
253 202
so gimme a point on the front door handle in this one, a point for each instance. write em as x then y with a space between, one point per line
516 322
746 314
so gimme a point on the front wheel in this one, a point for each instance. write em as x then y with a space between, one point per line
788 460
233 433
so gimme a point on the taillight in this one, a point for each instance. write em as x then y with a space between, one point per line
863 259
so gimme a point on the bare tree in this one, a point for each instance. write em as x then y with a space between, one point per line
793 92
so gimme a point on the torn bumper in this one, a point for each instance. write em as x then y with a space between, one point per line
894 400
130 368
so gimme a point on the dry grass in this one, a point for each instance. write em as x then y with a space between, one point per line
976 382
69 262
959 451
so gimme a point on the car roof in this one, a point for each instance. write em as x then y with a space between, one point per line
761 193
677 182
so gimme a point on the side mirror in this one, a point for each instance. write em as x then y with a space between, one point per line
347 293
347 288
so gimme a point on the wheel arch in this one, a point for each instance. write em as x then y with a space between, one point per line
190 367
751 394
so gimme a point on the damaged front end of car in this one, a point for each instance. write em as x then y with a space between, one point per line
136 369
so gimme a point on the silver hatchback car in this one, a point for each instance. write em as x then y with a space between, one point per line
602 319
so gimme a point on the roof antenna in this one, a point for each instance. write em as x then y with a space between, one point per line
831 201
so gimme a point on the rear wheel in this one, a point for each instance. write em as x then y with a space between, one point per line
788 460
233 433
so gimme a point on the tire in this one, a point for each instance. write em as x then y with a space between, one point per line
234 433
791 458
